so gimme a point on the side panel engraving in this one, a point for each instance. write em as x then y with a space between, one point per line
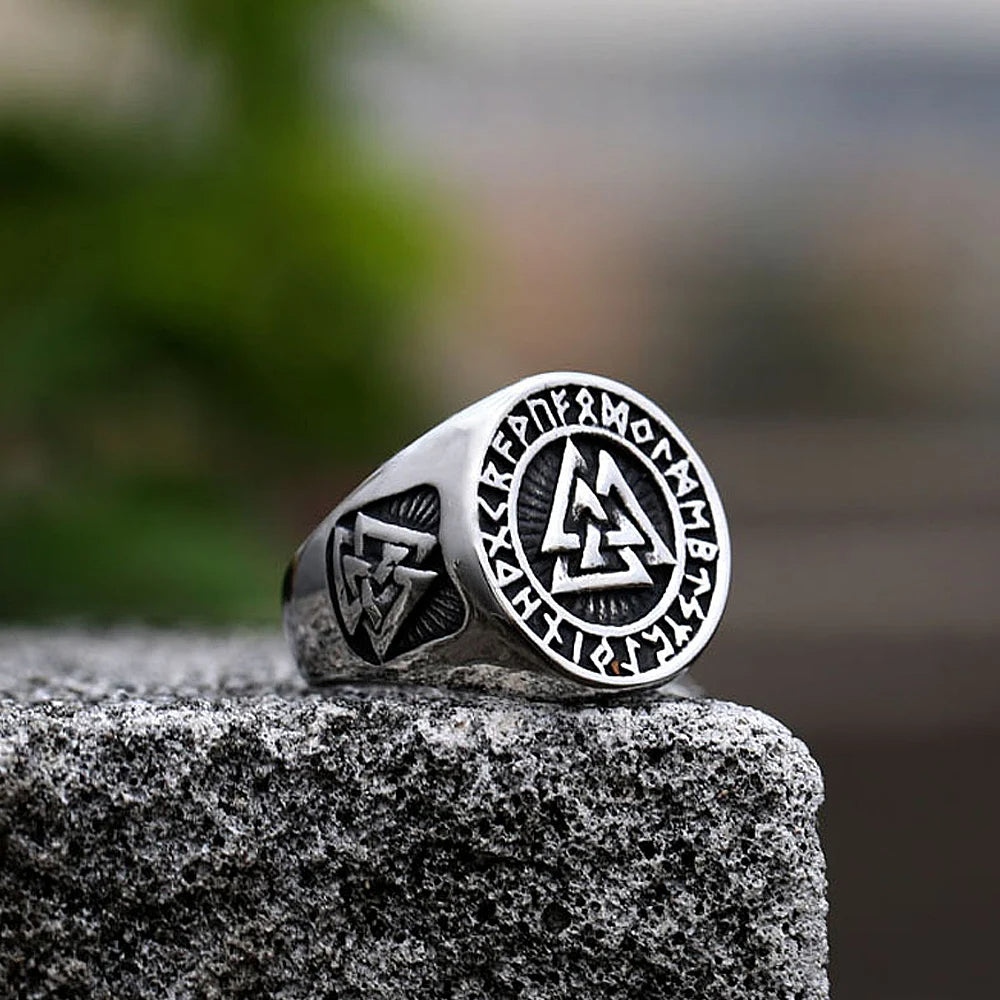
387 577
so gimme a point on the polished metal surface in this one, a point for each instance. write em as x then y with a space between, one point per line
560 532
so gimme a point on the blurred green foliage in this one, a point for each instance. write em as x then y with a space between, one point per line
196 305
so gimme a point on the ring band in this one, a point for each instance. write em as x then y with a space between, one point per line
562 528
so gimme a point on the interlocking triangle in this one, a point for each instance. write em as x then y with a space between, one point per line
614 526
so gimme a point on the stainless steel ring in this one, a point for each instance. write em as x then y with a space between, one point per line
560 532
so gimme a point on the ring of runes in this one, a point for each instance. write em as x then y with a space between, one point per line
601 532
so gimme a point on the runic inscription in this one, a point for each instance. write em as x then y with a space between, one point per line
601 532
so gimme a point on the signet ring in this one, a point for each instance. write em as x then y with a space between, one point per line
562 531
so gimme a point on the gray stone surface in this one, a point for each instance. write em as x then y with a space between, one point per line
180 818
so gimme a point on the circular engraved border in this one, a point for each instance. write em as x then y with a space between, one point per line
570 384
673 587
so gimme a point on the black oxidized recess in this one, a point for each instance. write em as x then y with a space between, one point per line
387 577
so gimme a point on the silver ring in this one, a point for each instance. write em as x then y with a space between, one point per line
559 532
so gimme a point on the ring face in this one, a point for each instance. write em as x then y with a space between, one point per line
387 577
601 532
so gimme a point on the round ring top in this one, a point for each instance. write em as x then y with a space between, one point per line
601 532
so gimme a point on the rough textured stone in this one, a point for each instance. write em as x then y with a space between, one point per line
179 818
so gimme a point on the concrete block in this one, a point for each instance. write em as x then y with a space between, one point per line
179 817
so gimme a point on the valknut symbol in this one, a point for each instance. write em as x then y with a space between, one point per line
605 523
377 576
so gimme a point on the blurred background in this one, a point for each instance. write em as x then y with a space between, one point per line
248 250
